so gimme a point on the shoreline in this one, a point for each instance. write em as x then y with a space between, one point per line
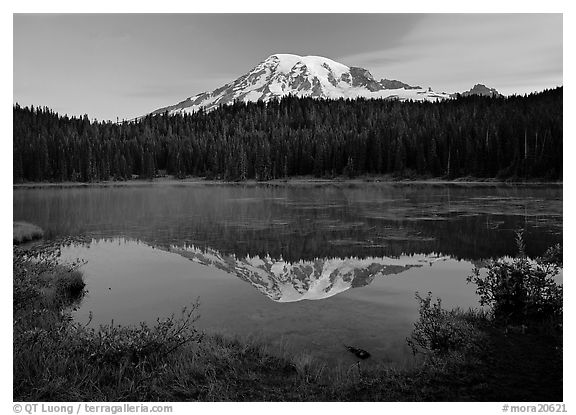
55 359
297 180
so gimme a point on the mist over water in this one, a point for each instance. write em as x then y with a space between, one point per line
304 222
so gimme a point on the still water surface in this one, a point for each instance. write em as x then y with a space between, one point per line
313 266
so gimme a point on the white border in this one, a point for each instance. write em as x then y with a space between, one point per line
181 6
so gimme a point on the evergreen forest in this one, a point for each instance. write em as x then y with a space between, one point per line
508 138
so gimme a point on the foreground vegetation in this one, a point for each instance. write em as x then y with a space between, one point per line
517 138
512 351
25 232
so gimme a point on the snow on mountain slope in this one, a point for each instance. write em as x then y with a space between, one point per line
284 281
303 76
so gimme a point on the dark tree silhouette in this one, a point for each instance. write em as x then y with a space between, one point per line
516 137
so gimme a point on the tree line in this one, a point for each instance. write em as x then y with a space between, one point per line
516 137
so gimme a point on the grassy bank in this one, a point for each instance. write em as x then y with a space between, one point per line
466 355
296 180
24 232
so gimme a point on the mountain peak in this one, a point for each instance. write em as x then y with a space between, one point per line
480 89
292 59
283 74
317 65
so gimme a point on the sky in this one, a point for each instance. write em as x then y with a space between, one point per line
111 66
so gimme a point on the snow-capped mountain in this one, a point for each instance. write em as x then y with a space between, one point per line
303 76
284 281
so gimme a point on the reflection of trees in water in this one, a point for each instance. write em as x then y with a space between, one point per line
475 238
309 221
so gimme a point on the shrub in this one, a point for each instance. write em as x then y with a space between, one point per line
70 284
139 344
521 290
442 331
68 361
552 256
40 280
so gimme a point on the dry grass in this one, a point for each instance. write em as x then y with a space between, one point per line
25 232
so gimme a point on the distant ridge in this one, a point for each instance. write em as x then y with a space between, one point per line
479 89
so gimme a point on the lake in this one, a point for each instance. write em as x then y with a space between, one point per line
309 266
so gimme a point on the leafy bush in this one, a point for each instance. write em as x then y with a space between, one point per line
71 284
40 280
552 256
441 331
139 344
521 290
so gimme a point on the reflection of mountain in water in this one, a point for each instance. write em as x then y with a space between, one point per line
285 281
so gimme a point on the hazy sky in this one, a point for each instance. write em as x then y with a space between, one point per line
110 66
